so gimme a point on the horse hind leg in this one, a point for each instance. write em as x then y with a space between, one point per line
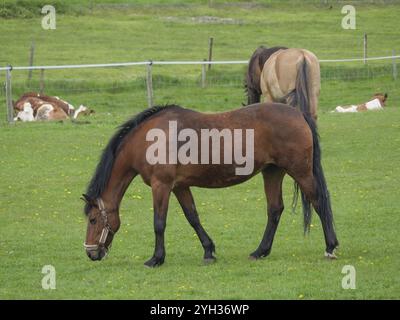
317 194
186 201
273 177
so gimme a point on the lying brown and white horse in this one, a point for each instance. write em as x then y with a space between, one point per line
33 106
37 99
377 102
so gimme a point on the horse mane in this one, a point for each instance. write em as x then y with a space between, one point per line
257 59
264 53
103 170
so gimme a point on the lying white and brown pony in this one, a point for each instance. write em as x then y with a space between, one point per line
33 106
376 103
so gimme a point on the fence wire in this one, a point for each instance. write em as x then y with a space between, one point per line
123 90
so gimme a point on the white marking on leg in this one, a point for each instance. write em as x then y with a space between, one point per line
330 255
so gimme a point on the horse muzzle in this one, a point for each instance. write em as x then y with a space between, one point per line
96 254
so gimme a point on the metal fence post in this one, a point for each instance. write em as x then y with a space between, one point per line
31 57
210 49
394 65
203 74
10 109
149 82
41 85
365 48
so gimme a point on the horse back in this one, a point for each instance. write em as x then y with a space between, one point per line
279 133
280 71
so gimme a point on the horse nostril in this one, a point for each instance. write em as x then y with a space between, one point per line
93 255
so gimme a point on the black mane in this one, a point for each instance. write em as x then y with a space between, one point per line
258 59
102 174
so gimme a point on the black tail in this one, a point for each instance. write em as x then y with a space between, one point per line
300 96
322 193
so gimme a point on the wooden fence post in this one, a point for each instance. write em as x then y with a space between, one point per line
203 74
365 48
10 109
149 82
394 65
210 47
41 88
31 56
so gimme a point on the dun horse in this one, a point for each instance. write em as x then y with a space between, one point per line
284 75
285 142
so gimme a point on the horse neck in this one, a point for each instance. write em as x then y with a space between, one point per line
120 178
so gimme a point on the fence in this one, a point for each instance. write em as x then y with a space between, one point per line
149 65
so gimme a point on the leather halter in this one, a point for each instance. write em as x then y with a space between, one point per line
106 229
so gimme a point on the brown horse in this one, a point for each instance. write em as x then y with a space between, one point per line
288 75
284 141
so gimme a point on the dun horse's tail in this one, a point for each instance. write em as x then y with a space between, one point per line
300 97
322 194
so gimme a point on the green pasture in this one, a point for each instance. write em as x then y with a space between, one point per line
44 167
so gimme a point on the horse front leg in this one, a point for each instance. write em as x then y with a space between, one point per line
185 198
273 177
161 193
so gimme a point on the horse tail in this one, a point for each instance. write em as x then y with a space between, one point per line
322 193
300 96
302 92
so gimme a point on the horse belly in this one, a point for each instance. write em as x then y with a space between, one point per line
212 182
212 176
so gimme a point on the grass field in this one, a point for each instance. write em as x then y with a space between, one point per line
44 167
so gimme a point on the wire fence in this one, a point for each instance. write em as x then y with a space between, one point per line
130 86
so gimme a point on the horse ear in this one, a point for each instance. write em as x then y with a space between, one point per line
84 198
87 199
386 95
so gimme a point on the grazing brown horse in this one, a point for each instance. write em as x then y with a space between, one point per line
288 75
284 141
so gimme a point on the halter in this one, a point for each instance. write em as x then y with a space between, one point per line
106 229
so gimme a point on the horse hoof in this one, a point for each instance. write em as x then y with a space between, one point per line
153 262
330 256
257 255
209 260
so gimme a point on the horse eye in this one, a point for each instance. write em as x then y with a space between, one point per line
92 221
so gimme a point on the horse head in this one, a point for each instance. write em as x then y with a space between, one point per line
382 97
103 223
